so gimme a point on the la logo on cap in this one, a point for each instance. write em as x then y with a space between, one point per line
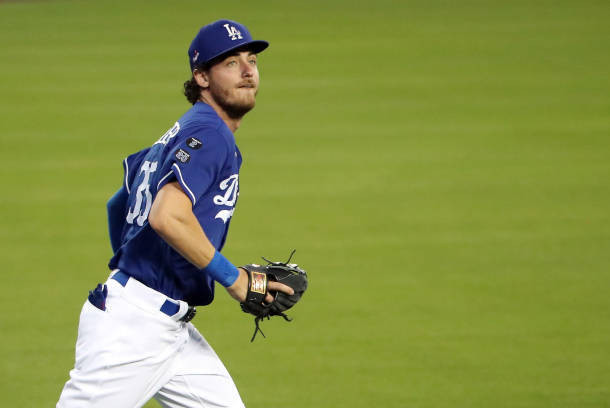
233 32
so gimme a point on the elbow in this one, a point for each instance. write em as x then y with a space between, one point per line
163 221
117 202
111 206
167 214
157 220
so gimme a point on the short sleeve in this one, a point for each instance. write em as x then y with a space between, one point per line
195 162
131 166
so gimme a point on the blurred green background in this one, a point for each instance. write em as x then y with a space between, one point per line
441 167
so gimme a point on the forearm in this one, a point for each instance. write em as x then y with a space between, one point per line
178 226
183 232
172 217
189 240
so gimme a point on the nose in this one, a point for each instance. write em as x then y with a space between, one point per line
247 69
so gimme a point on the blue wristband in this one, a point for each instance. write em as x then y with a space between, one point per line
221 270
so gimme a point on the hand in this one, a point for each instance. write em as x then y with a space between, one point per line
265 297
239 288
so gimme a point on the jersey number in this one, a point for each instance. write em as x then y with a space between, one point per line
143 196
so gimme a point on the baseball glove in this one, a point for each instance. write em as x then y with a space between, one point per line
258 277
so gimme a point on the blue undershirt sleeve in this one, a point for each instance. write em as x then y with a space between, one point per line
116 208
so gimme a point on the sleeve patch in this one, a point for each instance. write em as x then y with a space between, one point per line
194 143
182 156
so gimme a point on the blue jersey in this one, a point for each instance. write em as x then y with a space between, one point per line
199 152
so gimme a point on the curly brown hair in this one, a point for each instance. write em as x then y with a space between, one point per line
192 90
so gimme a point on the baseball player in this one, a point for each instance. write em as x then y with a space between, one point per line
168 223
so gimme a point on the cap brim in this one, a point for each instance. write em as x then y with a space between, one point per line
255 46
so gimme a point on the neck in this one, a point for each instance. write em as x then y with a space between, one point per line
232 123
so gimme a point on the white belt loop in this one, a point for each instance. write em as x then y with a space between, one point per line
182 311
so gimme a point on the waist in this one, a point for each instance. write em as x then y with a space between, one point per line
149 299
167 273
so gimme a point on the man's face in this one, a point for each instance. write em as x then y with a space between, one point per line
234 83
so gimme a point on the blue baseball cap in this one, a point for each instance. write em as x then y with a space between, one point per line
221 37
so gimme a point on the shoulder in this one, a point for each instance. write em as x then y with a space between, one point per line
201 125
200 115
201 138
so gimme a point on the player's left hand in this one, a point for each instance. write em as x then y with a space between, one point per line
239 289
273 289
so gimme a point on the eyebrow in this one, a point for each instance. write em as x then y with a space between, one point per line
237 52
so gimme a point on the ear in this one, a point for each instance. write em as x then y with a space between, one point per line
201 77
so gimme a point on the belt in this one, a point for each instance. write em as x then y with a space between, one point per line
170 307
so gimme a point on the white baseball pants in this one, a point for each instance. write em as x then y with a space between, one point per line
132 352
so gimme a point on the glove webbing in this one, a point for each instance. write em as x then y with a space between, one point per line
258 327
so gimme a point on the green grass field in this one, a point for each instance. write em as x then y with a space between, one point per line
441 167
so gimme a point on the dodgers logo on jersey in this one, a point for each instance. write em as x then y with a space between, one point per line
231 185
234 33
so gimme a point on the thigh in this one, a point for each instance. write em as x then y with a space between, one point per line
200 378
117 387
123 356
199 390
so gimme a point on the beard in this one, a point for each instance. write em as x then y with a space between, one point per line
235 102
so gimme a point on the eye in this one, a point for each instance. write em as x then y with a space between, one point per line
252 61
231 63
